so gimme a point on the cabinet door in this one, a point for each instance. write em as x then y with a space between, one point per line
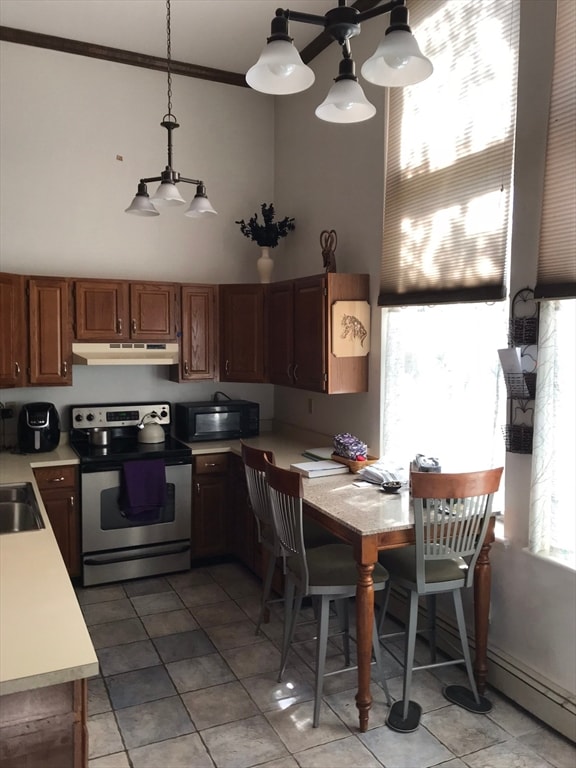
310 313
153 311
101 310
242 337
12 330
281 333
59 489
50 335
198 341
209 507
244 537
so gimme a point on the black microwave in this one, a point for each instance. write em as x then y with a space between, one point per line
221 420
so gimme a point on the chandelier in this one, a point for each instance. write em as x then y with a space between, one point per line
396 62
167 193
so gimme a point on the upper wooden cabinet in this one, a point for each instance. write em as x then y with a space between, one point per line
13 347
118 310
102 310
242 333
198 342
300 334
50 332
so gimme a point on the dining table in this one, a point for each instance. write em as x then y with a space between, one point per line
370 520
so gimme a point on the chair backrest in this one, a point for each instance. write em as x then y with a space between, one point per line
451 517
255 461
285 488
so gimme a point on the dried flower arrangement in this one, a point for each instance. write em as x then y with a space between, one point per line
269 233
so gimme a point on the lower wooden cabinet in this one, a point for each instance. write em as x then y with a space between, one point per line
244 536
59 489
209 505
45 727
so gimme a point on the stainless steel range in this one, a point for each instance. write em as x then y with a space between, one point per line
120 540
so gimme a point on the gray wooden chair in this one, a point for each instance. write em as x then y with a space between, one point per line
327 574
451 517
255 468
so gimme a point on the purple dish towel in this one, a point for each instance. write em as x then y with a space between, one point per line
142 487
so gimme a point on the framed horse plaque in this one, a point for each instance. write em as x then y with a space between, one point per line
350 328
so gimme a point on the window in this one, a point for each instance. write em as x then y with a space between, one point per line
446 237
553 490
552 518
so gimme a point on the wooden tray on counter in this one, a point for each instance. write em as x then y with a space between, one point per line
354 466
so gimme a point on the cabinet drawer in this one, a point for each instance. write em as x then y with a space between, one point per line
211 464
50 478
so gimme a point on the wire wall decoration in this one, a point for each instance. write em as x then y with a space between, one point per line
521 386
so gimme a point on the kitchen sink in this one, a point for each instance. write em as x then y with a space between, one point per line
19 509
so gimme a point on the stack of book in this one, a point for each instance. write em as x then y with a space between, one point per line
319 468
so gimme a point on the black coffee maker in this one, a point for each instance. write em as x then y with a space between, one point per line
38 428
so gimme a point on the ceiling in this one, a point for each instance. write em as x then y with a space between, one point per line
221 34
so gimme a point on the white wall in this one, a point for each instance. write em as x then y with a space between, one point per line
63 120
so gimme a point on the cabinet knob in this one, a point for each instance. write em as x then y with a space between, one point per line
119 325
227 367
289 370
133 325
56 480
186 369
71 502
294 373
17 368
198 488
64 368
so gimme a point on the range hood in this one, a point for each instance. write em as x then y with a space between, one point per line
125 353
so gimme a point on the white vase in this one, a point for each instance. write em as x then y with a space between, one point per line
265 265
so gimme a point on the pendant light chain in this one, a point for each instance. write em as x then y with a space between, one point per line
167 193
169 59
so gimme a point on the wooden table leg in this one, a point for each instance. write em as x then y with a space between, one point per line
482 583
364 622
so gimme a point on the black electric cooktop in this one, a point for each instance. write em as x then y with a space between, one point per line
123 449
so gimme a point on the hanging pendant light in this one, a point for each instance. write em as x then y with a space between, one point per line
168 195
397 61
346 102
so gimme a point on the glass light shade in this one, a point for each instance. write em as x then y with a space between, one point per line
345 103
280 70
167 194
397 61
199 207
141 206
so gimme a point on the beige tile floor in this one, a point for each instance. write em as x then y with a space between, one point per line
186 683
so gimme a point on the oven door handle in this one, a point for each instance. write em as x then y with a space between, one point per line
107 559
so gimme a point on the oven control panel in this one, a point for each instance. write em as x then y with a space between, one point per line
98 416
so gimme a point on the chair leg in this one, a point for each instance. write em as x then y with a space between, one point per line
378 659
458 694
431 622
321 646
344 624
289 589
266 589
384 607
404 716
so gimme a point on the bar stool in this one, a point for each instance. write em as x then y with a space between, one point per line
451 517
327 574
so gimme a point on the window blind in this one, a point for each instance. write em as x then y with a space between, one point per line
557 248
450 144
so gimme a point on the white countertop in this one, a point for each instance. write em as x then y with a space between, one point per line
43 637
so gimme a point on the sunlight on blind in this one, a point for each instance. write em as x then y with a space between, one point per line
450 152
